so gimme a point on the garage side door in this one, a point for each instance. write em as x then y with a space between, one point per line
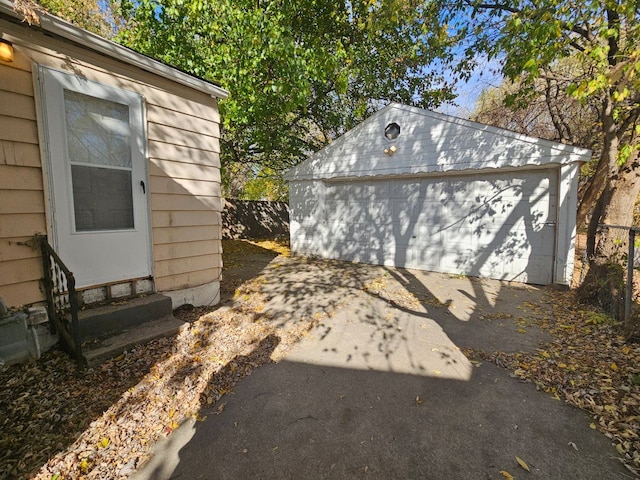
493 225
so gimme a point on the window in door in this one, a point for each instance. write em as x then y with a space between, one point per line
99 147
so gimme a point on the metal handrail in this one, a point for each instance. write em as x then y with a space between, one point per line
62 300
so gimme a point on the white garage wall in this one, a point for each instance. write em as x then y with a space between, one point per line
455 196
306 213
429 143
492 225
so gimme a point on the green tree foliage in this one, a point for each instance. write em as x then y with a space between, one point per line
531 39
248 181
548 112
97 16
300 72
603 36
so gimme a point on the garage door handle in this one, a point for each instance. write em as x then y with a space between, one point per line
550 223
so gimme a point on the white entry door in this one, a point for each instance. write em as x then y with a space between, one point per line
96 157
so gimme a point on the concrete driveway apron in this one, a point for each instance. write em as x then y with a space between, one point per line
381 389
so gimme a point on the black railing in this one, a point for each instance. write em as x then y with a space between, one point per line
62 300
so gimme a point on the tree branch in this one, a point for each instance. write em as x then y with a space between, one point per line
614 22
632 118
583 32
577 46
493 6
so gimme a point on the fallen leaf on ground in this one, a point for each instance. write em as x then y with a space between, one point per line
522 463
103 422
587 364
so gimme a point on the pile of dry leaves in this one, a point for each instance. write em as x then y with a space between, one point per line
589 365
102 423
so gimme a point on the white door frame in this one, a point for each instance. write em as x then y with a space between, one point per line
45 79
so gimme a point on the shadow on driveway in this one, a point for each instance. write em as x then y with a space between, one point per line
381 389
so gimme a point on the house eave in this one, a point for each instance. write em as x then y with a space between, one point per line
65 30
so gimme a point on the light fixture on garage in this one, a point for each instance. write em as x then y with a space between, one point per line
6 50
391 150
391 132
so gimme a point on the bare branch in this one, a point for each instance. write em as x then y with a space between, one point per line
493 6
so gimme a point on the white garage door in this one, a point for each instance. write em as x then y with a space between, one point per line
497 225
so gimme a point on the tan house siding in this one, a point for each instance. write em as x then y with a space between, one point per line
184 178
22 212
184 181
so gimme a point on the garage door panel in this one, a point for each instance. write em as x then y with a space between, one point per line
340 229
431 222
364 191
404 212
454 211
455 191
382 256
457 236
422 226
423 233
407 190
508 215
364 254
338 193
425 258
531 270
508 247
493 225
346 250
533 185
304 208
420 211
530 224
367 230
370 212
493 234
374 242
336 211
460 261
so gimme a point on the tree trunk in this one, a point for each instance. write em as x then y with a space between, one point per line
604 284
608 164
592 192
612 243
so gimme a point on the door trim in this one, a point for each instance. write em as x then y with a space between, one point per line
38 73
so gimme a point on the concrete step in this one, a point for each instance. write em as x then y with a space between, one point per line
119 315
98 351
108 330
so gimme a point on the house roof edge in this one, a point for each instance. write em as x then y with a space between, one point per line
65 30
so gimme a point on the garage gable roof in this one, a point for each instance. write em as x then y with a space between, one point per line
429 142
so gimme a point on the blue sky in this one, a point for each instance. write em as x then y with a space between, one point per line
468 92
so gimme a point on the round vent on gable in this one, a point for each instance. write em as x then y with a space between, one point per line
392 131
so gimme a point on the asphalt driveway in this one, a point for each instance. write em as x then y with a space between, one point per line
381 388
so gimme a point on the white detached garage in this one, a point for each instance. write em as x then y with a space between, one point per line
417 189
